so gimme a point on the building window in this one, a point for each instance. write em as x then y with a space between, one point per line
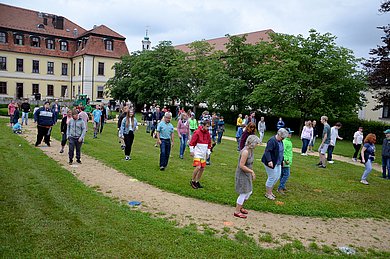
64 45
109 45
19 65
50 90
3 37
3 63
50 68
18 39
78 90
3 87
50 43
35 88
100 90
64 91
64 70
35 42
386 111
101 69
35 66
74 69
79 68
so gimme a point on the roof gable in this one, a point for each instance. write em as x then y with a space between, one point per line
104 31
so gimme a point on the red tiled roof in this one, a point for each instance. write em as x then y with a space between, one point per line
219 43
17 18
95 46
104 31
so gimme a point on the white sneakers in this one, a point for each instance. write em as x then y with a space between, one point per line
303 154
364 182
354 159
127 158
331 162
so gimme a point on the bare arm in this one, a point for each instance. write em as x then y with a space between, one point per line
244 158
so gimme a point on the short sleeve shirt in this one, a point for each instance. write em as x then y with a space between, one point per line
326 131
96 115
165 130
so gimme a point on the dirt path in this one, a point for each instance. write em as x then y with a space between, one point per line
366 233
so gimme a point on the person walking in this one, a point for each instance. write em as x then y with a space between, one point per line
272 160
56 109
165 139
149 120
306 137
193 124
15 118
324 143
239 121
128 126
287 161
239 135
64 128
96 114
386 155
183 132
334 135
75 132
84 116
368 156
261 127
220 129
245 175
200 150
25 111
103 118
45 120
280 123
123 115
249 130
357 143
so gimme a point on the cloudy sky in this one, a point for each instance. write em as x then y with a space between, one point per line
353 22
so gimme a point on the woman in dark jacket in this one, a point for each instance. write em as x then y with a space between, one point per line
272 160
64 125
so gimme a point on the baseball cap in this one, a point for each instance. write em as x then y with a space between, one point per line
387 131
289 130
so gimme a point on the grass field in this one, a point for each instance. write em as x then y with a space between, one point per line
331 192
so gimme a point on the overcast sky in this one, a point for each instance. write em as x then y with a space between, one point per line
353 22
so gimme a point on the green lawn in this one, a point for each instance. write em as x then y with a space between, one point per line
331 192
46 212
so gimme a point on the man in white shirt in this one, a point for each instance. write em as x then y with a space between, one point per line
334 135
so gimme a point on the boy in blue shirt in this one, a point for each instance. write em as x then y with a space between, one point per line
97 114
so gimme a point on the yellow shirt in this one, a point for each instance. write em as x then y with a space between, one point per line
239 121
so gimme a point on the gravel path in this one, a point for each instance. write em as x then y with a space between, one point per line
366 233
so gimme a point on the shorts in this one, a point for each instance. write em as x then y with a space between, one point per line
199 162
323 148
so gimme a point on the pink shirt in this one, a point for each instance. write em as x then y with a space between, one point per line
84 116
11 109
307 133
183 127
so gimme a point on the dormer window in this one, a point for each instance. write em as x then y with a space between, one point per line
50 43
64 45
109 45
41 26
18 39
3 37
35 41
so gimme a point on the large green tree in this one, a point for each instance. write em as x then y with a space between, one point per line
308 77
378 65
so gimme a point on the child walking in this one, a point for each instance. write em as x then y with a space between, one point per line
287 161
128 126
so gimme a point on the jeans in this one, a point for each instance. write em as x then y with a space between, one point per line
273 175
305 144
165 151
74 142
63 140
312 142
386 165
183 143
129 138
357 148
284 177
149 125
24 117
220 133
330 152
368 169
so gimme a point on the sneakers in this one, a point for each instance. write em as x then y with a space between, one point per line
198 184
123 147
78 161
354 159
364 182
127 158
193 184
70 162
320 163
162 168
281 191
303 154
321 166
61 151
181 157
48 144
331 162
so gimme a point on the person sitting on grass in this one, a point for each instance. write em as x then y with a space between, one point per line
245 175
287 161
17 128
75 132
200 150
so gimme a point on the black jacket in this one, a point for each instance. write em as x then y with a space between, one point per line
63 124
386 148
121 117
271 152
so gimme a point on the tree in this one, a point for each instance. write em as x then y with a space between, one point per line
378 65
308 77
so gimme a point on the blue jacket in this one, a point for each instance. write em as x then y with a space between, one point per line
271 152
44 117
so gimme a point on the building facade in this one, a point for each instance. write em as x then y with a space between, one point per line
48 56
